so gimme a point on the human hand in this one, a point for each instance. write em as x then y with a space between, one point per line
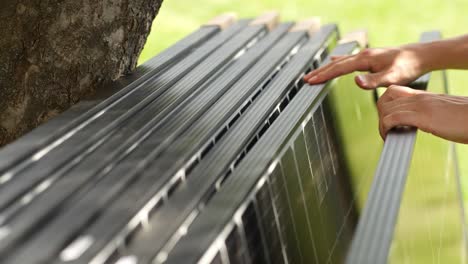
445 116
386 66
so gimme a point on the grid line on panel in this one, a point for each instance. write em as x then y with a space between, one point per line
320 172
332 200
325 146
261 195
264 228
331 154
313 210
288 217
304 201
318 128
288 227
277 222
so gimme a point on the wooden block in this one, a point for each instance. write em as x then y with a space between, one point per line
360 36
223 21
270 19
311 25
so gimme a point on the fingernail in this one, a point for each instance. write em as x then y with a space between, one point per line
362 80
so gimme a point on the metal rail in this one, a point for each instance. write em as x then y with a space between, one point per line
374 234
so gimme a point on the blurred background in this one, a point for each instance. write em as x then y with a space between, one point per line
389 23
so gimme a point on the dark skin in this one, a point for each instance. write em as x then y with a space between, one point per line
445 116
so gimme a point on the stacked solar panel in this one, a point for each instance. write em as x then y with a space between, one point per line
277 191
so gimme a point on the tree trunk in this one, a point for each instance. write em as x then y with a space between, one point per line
54 52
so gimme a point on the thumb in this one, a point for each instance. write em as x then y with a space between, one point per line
374 80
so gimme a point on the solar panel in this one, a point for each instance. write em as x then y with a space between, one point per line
218 111
212 168
230 206
167 165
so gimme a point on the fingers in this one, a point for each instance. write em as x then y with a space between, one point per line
396 91
331 70
380 62
339 66
374 80
335 60
431 113
400 118
401 106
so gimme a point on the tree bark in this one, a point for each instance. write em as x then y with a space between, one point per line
54 52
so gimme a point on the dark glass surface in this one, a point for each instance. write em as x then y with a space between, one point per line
286 224
235 247
217 259
268 223
253 235
298 207
315 159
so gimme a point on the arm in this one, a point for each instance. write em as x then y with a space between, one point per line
400 65
445 54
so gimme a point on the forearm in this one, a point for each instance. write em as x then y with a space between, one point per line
444 54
